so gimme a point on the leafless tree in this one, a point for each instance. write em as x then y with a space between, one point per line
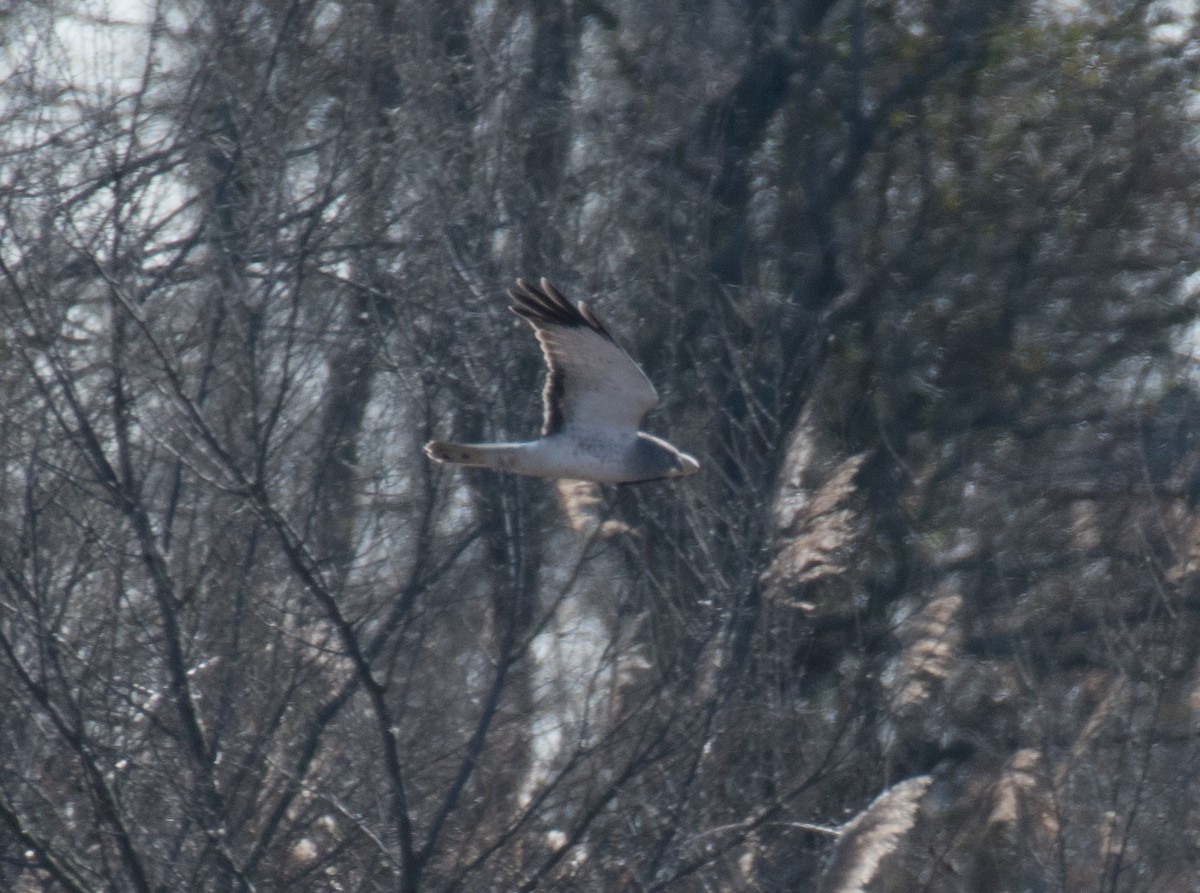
915 283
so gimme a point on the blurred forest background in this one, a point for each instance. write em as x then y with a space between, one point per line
917 284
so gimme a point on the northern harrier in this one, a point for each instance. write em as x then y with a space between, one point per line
594 399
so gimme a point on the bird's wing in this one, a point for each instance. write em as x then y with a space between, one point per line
592 382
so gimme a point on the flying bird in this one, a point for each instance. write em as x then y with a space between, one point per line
594 400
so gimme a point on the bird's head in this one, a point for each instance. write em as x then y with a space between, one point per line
683 466
653 459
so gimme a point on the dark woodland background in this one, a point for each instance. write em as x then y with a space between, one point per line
916 282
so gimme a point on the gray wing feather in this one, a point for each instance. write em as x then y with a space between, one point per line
592 382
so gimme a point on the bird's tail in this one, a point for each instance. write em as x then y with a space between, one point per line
474 455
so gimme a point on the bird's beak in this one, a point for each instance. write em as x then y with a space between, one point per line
690 465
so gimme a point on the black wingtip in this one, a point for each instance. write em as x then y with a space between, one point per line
546 304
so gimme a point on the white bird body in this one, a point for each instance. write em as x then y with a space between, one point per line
594 400
579 455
